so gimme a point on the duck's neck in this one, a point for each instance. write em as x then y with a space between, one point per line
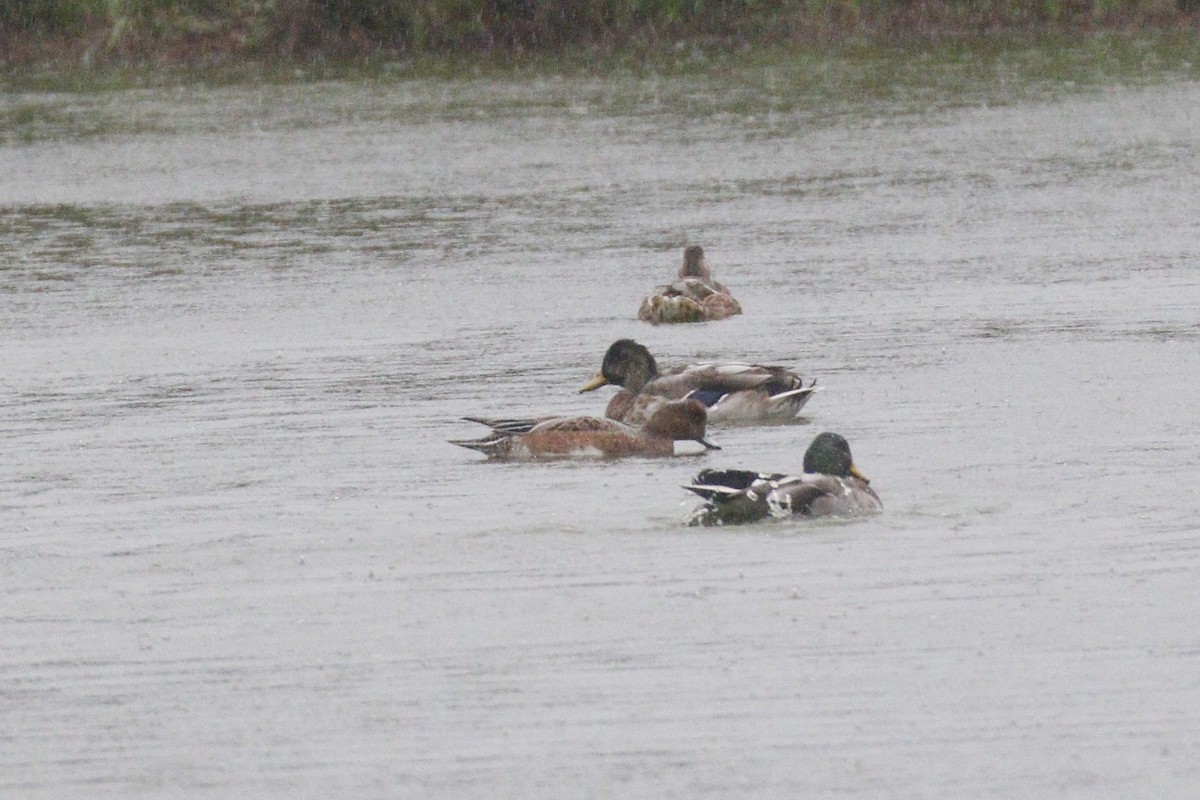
639 373
675 422
693 264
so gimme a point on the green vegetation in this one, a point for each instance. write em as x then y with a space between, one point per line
211 31
773 84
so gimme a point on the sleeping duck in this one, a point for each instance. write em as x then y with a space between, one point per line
695 296
733 393
829 486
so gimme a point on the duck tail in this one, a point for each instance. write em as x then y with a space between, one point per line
730 495
711 493
510 425
792 400
492 446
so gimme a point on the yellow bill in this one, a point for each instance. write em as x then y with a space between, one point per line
594 383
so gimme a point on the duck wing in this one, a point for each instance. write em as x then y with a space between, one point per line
732 496
582 425
726 482
737 392
696 288
725 378
816 495
510 425
721 305
633 409
670 307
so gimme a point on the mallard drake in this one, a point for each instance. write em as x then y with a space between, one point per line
694 297
558 437
745 393
829 486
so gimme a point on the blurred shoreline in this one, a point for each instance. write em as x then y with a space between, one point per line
191 34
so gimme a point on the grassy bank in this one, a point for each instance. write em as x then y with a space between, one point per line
66 33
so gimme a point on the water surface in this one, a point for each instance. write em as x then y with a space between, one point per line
241 559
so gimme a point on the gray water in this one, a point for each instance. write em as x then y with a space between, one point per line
239 558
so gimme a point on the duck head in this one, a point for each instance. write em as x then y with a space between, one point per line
627 364
829 454
681 421
694 265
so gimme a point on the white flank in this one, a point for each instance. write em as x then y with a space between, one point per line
714 488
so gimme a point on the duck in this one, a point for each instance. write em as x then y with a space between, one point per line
830 485
732 393
559 437
695 296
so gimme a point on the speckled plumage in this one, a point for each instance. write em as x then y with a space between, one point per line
695 296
